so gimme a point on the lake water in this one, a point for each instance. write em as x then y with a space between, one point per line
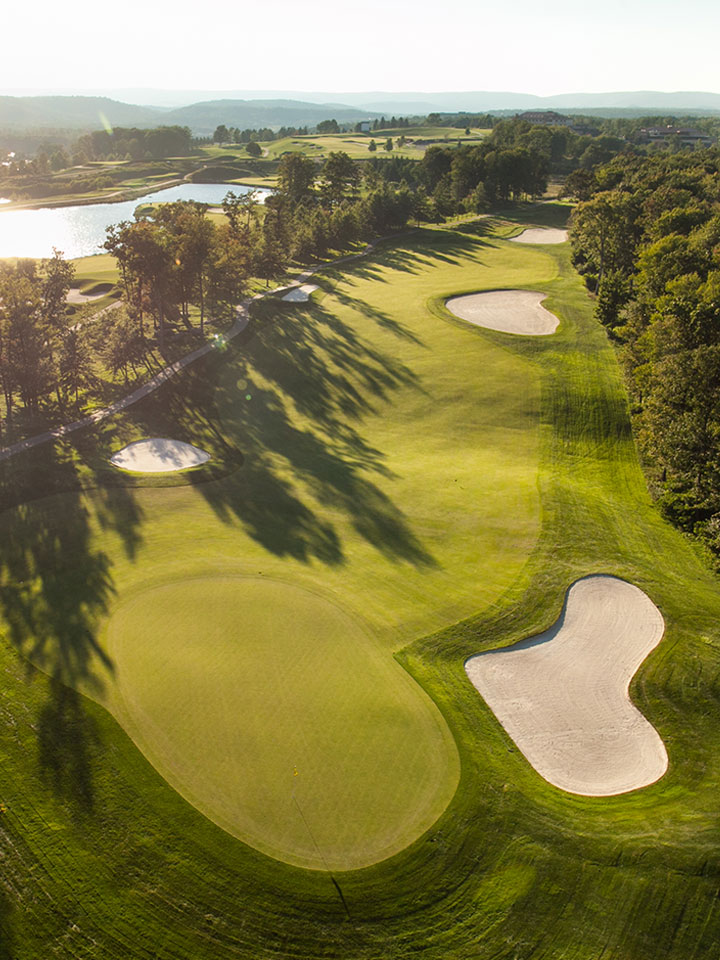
80 231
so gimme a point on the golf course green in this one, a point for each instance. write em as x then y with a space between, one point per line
277 716
237 719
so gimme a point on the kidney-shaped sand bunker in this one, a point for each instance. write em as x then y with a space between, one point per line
509 311
563 695
277 715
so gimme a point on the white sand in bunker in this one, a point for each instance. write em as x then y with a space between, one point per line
301 294
563 695
541 235
158 455
509 311
75 296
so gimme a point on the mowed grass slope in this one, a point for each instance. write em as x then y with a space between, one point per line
103 859
383 470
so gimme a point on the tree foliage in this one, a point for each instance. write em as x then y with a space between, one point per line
33 327
179 270
137 144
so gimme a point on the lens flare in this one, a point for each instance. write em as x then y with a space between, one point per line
107 126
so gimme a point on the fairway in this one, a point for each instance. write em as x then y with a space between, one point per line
416 141
391 491
275 713
340 496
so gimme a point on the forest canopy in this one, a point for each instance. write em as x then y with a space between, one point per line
647 240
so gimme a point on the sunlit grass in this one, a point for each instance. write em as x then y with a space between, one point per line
512 465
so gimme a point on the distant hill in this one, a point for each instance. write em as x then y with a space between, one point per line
203 118
80 113
90 113
84 113
416 102
645 101
648 100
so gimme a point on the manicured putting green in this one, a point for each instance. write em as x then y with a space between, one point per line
247 695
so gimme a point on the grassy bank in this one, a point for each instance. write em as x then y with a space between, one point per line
434 481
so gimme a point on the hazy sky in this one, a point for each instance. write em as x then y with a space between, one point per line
548 47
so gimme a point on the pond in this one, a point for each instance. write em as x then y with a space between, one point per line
79 231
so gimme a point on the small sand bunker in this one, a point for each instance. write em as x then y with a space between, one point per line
563 695
158 455
99 290
510 311
74 296
541 235
301 294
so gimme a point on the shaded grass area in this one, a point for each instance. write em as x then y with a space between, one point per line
514 868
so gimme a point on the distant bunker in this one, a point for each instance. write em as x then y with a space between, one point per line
509 311
97 293
541 235
158 455
563 695
300 294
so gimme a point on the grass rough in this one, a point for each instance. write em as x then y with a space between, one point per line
101 858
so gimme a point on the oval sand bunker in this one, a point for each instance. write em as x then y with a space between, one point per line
541 235
509 311
158 455
563 695
301 294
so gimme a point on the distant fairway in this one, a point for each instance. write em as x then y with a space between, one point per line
233 685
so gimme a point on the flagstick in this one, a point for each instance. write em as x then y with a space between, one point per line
315 843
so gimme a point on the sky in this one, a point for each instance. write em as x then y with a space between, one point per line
542 47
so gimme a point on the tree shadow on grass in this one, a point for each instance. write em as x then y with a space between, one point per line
539 213
303 381
116 509
296 402
383 319
7 944
55 585
426 247
476 228
68 743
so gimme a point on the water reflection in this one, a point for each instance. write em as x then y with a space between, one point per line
80 231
